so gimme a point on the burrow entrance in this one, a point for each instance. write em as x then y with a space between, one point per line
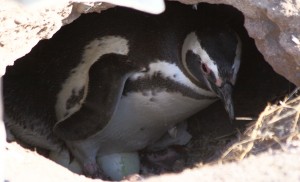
257 85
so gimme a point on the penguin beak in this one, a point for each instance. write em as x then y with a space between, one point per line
225 93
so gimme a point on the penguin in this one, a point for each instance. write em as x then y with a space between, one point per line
111 84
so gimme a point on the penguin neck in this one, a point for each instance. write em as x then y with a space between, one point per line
162 75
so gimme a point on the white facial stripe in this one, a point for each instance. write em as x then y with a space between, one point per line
192 43
189 42
78 77
237 59
170 71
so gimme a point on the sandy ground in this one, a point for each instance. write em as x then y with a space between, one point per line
274 165
25 165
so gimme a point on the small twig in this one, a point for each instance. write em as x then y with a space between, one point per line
283 104
246 151
245 118
235 145
293 93
224 136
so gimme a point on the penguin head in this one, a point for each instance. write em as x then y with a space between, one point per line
211 58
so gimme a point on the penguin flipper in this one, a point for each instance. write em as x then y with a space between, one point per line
107 78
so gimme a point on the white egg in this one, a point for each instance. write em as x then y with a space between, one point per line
118 165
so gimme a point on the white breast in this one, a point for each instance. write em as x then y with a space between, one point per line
141 119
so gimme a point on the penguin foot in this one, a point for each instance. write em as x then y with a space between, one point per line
162 161
133 177
92 170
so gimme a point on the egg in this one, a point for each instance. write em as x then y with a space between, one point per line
118 165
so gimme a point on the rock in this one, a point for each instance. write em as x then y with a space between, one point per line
22 27
274 25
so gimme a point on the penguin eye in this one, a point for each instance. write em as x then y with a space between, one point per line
205 68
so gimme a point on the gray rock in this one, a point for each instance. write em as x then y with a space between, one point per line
274 25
